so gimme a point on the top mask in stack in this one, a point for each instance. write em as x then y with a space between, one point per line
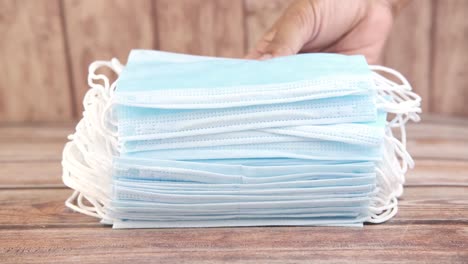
190 141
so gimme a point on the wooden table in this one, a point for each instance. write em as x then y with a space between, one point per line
35 226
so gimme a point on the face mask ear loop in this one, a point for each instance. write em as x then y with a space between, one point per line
383 183
392 166
100 124
82 205
388 187
69 203
78 177
93 67
394 98
87 158
75 202
99 208
95 210
79 173
397 99
384 213
388 180
409 110
106 91
399 92
117 67
392 72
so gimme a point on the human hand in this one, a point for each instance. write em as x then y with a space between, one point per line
336 26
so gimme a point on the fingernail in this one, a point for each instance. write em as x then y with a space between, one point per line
266 56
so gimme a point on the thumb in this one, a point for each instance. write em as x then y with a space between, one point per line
288 34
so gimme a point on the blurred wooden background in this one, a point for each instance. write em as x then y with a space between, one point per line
46 46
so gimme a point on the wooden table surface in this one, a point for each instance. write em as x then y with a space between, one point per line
36 227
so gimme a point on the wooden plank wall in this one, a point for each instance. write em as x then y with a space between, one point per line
47 45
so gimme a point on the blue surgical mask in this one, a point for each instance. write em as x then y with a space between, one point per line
136 123
191 141
246 167
366 134
234 82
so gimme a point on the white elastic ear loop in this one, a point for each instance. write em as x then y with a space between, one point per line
95 211
92 150
400 92
82 205
407 106
393 187
395 98
390 168
77 171
399 100
113 64
383 213
78 177
93 140
117 67
101 123
69 203
92 76
402 153
106 120
78 196
392 72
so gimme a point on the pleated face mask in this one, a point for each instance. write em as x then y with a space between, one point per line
190 141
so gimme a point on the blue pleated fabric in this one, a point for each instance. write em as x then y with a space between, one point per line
229 142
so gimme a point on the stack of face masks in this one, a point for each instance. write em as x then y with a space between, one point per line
189 141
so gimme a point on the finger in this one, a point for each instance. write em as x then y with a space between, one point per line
257 52
288 34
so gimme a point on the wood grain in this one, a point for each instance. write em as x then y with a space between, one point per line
260 16
38 142
440 204
34 84
203 27
39 208
23 151
437 149
373 244
449 92
408 48
438 128
438 139
101 30
26 143
438 172
30 174
39 132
